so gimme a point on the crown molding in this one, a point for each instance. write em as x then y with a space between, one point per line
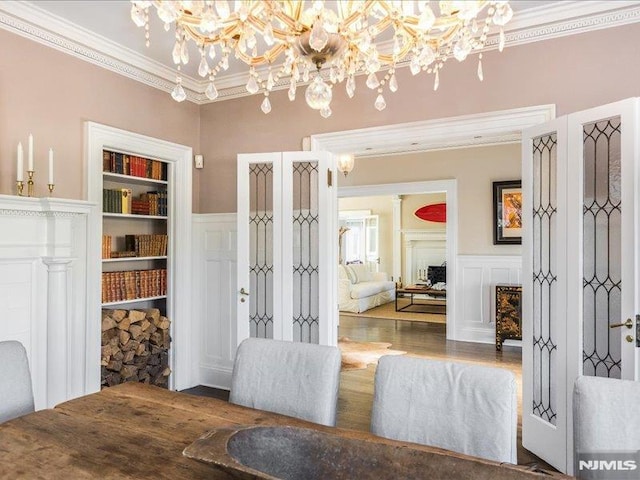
536 24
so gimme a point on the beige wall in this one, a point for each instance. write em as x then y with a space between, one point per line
379 205
574 72
411 203
50 94
474 169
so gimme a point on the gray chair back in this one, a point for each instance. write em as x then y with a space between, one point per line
296 379
469 409
604 421
16 394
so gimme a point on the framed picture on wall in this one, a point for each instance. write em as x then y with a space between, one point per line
507 212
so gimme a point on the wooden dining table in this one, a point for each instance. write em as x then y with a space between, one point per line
139 431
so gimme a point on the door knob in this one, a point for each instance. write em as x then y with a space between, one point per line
243 292
629 338
628 324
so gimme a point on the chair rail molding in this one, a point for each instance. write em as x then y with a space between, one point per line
213 297
477 276
43 291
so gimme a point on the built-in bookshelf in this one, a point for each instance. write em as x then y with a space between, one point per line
142 190
134 230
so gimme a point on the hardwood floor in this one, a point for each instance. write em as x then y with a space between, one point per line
419 339
424 340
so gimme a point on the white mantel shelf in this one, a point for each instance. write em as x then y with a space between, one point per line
43 291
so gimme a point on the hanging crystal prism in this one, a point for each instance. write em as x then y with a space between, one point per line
211 92
178 93
175 54
480 74
267 34
393 83
319 36
184 53
436 82
351 86
292 91
372 81
252 85
502 40
325 112
380 104
203 69
212 52
266 105
270 81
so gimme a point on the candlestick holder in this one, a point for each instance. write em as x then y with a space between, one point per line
30 183
20 186
51 186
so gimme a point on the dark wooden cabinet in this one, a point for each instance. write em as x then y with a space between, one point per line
508 313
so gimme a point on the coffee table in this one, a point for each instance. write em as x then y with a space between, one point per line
427 301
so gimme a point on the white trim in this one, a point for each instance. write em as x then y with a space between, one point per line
28 20
503 126
97 137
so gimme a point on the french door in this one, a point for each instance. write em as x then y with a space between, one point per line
581 254
287 253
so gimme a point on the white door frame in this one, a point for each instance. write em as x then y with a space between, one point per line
449 187
481 129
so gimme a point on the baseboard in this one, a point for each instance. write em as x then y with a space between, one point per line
216 377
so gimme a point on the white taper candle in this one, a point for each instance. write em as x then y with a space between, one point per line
20 167
51 166
30 164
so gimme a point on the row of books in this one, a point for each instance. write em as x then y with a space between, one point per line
115 162
133 284
120 200
136 246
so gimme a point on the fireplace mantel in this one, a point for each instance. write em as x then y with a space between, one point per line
43 291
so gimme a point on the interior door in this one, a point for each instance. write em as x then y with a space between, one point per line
287 250
581 264
544 329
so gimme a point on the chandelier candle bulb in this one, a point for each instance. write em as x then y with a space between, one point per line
344 39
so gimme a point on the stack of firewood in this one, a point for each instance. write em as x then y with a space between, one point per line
135 347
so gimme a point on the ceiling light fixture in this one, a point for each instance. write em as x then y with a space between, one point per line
344 37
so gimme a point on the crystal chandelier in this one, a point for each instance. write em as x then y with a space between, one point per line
331 41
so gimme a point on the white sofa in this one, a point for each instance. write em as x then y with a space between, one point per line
359 289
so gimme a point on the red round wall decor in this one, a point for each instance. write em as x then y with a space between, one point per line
436 212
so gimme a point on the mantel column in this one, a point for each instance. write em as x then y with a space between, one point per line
57 319
396 202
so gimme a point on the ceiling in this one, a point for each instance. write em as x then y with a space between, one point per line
102 32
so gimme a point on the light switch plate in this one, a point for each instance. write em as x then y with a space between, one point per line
199 161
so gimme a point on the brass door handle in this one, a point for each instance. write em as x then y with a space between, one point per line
628 324
243 292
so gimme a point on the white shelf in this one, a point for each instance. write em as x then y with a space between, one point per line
132 259
118 177
130 216
137 300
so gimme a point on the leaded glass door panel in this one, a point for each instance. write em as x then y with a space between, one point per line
581 261
286 247
544 349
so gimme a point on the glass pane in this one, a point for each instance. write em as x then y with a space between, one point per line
261 250
306 295
544 276
602 280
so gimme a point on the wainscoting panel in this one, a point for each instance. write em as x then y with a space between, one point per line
214 297
477 277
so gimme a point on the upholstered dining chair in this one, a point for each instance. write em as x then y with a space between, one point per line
16 394
469 409
296 379
604 420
